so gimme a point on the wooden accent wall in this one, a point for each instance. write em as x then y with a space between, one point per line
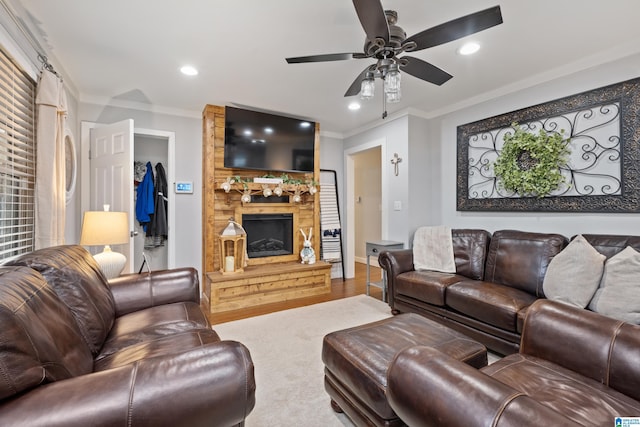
218 206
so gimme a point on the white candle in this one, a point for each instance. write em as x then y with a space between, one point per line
229 264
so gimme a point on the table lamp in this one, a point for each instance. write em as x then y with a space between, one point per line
106 228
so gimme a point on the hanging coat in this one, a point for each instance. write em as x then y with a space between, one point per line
158 228
144 198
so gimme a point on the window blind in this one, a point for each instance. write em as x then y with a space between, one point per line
17 159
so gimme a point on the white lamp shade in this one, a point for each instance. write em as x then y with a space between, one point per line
104 228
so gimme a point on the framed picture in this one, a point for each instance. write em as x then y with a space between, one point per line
602 173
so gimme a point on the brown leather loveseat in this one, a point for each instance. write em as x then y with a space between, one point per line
139 351
575 367
497 277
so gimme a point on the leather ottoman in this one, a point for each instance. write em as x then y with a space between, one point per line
357 359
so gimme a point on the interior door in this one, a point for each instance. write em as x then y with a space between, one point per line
111 169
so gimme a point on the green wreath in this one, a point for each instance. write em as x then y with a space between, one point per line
529 164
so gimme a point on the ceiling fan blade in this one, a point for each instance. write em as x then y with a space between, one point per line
457 28
372 18
354 89
423 70
324 58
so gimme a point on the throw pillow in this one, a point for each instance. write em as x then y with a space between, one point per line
574 274
619 292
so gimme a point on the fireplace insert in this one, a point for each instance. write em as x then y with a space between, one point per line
268 234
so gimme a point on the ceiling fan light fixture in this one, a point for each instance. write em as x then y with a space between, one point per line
393 97
367 87
392 83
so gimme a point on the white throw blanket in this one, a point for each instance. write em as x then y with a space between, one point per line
433 249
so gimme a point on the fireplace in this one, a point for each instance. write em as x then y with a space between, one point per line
269 234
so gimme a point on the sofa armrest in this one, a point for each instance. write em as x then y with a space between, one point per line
395 263
593 345
135 292
425 387
210 385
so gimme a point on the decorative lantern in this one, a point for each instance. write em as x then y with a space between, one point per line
233 242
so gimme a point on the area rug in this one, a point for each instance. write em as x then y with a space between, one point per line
286 351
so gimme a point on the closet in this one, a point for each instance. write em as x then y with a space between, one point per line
149 150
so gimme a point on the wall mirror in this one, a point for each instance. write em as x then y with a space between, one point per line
70 164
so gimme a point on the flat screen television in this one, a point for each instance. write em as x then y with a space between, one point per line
255 140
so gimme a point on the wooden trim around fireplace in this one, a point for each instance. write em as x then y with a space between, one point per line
267 208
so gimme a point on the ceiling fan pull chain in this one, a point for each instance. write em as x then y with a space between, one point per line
384 104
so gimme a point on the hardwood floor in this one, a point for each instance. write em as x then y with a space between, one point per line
339 289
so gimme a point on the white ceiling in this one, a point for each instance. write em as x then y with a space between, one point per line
131 50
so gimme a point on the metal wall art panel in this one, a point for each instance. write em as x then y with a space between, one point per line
603 170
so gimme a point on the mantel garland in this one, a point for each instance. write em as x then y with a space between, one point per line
615 107
281 185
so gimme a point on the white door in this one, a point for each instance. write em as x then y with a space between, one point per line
111 170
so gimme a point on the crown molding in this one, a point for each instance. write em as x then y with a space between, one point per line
141 106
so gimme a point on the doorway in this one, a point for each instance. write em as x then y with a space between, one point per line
151 145
149 149
366 200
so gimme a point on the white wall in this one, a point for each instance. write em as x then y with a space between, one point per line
570 223
188 167
425 175
394 133
392 137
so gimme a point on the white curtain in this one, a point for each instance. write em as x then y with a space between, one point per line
51 104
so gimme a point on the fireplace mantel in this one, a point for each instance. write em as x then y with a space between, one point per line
218 206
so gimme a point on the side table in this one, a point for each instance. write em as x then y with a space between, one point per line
375 248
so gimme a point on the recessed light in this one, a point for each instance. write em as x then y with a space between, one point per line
354 106
189 70
469 48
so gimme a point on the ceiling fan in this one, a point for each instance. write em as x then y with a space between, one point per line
385 41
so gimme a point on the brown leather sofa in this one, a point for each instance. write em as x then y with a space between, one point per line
575 367
139 351
497 277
